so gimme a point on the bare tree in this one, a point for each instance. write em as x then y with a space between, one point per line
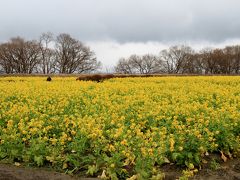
232 58
146 64
236 59
20 56
222 60
136 63
72 56
209 65
123 67
191 64
6 61
47 59
1 70
152 64
169 64
198 63
175 57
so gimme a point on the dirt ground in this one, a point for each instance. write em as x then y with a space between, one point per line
218 170
11 172
229 170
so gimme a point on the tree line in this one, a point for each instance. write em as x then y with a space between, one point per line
66 55
48 54
183 60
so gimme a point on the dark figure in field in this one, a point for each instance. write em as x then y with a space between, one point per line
49 78
95 77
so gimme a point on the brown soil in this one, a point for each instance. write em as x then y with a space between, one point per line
11 172
229 170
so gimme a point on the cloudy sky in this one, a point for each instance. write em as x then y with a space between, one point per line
118 28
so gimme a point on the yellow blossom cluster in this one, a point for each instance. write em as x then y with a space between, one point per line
122 126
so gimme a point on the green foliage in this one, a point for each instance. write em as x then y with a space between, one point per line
214 165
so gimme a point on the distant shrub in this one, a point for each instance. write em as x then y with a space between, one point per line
95 77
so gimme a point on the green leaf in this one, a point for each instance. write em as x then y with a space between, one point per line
189 155
38 160
175 156
196 158
92 170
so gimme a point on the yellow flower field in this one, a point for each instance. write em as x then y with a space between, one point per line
121 128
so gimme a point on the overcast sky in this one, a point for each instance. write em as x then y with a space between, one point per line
118 28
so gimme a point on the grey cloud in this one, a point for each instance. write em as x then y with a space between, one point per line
123 20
